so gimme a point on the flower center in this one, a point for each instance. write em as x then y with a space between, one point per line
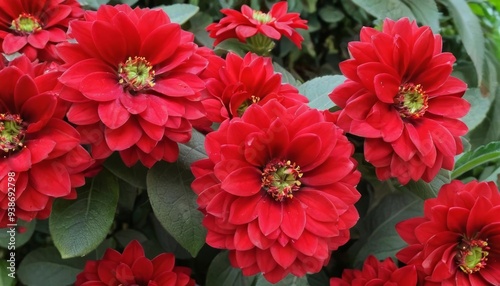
472 255
245 104
262 17
26 24
281 178
136 74
411 101
12 132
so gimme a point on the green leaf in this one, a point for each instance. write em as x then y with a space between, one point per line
92 4
168 242
469 29
429 190
180 13
286 76
20 238
479 108
174 204
192 151
318 279
7 273
426 12
477 157
79 226
289 280
44 266
378 235
220 272
135 175
129 2
331 14
317 90
125 236
381 9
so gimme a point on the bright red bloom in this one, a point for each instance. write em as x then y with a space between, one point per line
278 189
457 242
377 273
399 95
241 82
248 23
131 90
133 268
35 27
39 152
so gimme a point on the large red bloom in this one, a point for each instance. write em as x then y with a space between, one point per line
377 273
457 242
278 189
399 95
132 91
35 27
40 154
132 268
248 23
241 82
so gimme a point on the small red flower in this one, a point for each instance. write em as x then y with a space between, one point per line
277 190
374 273
241 82
400 97
133 268
457 242
249 23
132 91
40 154
35 27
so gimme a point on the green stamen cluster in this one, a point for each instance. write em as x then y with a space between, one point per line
26 24
411 101
12 133
281 178
472 255
136 74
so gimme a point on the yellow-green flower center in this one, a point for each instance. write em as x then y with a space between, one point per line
472 255
26 24
12 133
280 178
411 101
245 104
136 74
262 17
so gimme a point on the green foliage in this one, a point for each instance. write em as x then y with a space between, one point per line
180 13
472 159
317 90
79 226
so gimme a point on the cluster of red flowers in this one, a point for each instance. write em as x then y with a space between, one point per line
279 185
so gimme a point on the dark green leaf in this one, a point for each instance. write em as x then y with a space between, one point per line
174 204
479 108
125 236
469 29
318 279
198 24
381 9
331 14
129 2
135 175
429 190
477 157
221 272
192 151
20 238
180 13
44 266
378 235
168 242
426 12
79 226
317 90
289 280
7 273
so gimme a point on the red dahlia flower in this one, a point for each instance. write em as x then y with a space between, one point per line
132 268
251 26
376 273
457 242
133 79
277 190
35 27
241 82
40 154
399 95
